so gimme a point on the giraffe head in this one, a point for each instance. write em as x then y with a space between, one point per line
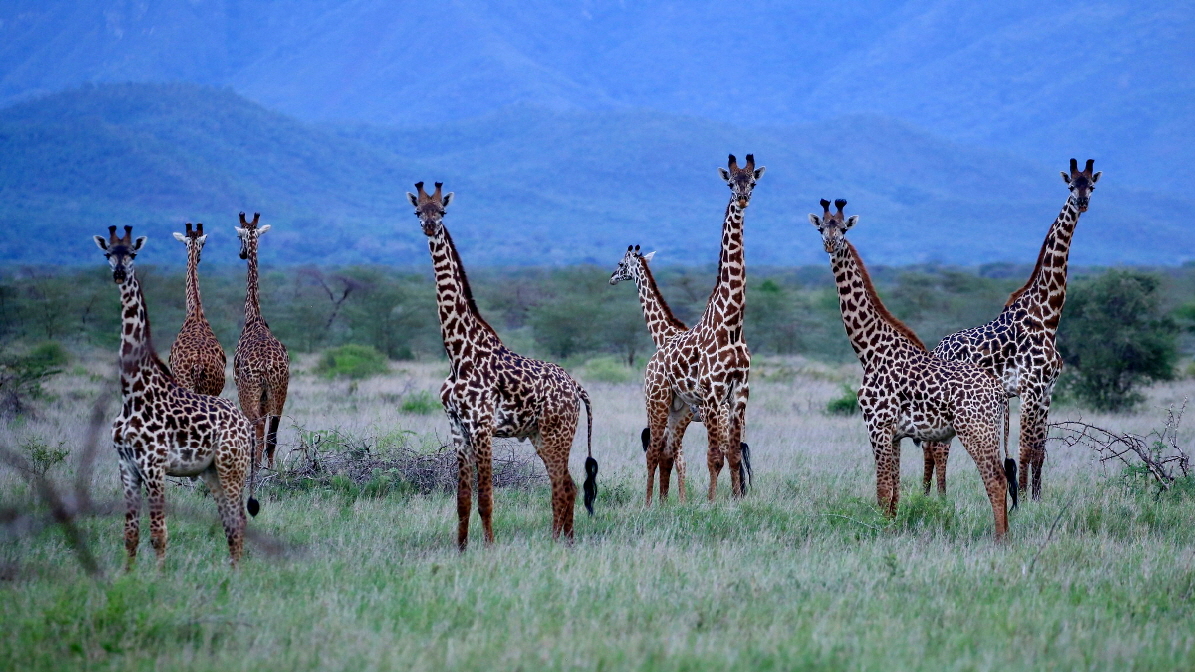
249 233
193 239
741 180
1081 183
120 251
430 208
631 265
833 225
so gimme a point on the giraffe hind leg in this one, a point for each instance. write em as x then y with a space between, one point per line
130 480
227 494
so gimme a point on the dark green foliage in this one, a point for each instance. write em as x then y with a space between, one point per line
420 403
351 361
1117 337
847 404
22 375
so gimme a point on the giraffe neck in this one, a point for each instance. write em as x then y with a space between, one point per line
194 303
872 330
252 303
461 324
662 324
137 356
1049 281
727 301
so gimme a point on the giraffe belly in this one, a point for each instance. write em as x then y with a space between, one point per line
190 460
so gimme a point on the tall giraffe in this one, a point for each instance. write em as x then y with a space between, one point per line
165 429
261 364
906 391
704 371
663 326
1018 347
492 392
196 358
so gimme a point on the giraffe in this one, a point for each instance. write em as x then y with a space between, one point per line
196 358
1018 346
165 429
261 364
906 391
702 374
492 392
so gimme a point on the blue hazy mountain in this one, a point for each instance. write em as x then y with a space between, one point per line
534 185
1108 79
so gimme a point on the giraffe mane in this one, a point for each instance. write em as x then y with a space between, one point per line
465 288
1041 255
869 287
668 314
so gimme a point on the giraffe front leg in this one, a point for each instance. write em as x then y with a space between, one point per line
130 480
887 456
936 454
657 418
155 486
483 450
464 485
674 447
734 443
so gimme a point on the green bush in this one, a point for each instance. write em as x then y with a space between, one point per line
420 403
43 456
1116 336
847 404
608 370
352 361
21 376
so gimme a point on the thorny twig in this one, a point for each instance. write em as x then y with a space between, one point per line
1027 569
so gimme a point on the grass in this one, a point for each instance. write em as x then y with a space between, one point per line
803 574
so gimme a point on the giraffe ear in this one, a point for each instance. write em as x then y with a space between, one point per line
816 221
724 173
139 243
851 221
240 232
649 255
1066 177
448 198
1096 178
180 237
413 199
101 242
759 171
262 229
202 239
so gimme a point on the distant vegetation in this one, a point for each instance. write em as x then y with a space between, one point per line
360 316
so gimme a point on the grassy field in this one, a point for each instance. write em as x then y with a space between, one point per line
803 574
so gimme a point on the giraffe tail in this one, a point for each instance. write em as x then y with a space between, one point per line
591 465
746 475
252 506
1010 465
645 438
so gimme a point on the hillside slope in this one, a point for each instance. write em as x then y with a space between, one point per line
1108 78
533 186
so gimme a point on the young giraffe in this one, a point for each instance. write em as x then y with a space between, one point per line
261 364
165 429
663 326
906 391
492 392
196 358
707 367
1018 346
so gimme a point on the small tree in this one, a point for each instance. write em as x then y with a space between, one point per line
1116 336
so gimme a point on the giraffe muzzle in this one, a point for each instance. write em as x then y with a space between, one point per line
119 276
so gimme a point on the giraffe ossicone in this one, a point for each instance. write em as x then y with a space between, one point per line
164 429
492 392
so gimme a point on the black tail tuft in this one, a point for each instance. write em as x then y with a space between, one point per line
590 487
253 507
1010 473
645 437
745 474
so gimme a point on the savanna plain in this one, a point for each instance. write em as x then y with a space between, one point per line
803 573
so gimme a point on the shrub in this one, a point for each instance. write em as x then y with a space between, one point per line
21 376
43 456
847 404
420 403
352 361
1116 336
608 370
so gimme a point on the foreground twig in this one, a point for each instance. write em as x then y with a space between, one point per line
1027 569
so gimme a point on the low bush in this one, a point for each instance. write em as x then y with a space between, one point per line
352 361
420 403
846 404
608 370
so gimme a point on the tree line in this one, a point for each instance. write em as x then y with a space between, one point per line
1120 327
